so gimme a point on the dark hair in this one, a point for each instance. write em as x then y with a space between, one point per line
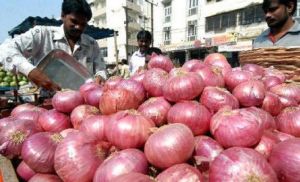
266 4
153 50
144 34
77 6
124 61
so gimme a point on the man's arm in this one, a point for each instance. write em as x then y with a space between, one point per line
99 64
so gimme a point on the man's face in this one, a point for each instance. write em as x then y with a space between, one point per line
276 14
74 25
144 44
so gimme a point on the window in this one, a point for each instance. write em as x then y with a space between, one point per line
251 15
168 12
297 13
221 22
167 35
193 7
103 52
192 30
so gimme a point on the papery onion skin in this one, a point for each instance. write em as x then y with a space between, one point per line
288 121
92 97
211 76
267 120
54 121
193 64
219 60
266 144
254 68
66 101
154 81
134 87
162 62
138 76
94 127
86 87
24 171
22 107
170 144
82 112
130 177
241 164
271 81
234 78
287 90
45 178
274 72
285 160
180 172
123 162
272 104
112 82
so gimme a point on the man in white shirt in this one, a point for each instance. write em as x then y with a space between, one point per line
40 40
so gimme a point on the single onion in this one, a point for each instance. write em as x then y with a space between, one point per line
156 108
129 131
22 107
94 127
24 171
92 97
170 144
285 160
138 76
215 98
180 172
38 151
154 81
241 164
162 62
119 163
271 81
66 101
266 144
250 93
112 82
130 177
77 158
134 87
192 114
45 178
274 72
193 64
234 78
116 100
288 121
182 86
217 59
226 126
32 115
82 112
287 90
287 101
54 121
211 76
84 88
257 70
267 119
272 104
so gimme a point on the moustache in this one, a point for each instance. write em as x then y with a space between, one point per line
75 31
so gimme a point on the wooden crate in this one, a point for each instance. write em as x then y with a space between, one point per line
285 59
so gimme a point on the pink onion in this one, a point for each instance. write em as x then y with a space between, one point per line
84 88
134 87
38 151
22 107
182 86
77 158
234 78
274 72
215 98
217 59
250 93
282 136
241 164
162 62
180 172
192 114
54 121
92 97
94 127
211 76
5 121
257 70
154 81
170 144
288 121
66 101
266 144
287 90
82 112
138 76
45 178
267 119
116 100
68 131
130 131
193 65
287 101
112 82
130 177
119 163
271 81
32 115
272 104
285 160
24 171
155 108
226 128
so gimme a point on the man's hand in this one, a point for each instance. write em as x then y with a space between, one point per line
42 80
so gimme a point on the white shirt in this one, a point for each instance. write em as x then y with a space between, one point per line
137 60
37 42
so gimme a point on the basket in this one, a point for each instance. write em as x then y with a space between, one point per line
286 60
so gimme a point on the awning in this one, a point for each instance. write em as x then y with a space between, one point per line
95 32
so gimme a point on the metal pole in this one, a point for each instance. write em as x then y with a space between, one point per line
152 32
116 52
126 30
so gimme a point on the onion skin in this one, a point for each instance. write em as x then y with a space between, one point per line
257 70
134 87
272 104
234 78
24 171
154 81
86 87
130 177
193 64
119 163
211 76
170 144
112 82
192 114
274 72
267 120
241 164
45 178
162 62
180 172
92 97
219 60
288 121
138 76
285 160
54 121
82 112
94 127
287 90
266 144
271 81
22 107
66 101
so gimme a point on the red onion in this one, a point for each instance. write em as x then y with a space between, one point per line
271 81
282 136
24 171
272 104
154 81
192 114
130 131
82 112
92 97
217 59
267 119
84 88
180 172
287 101
182 86
287 90
241 164
5 121
215 98
134 87
138 76
288 121
13 135
274 72
130 177
54 121
226 128
94 127
170 144
112 82
22 107
193 65
38 151
45 178
234 78
116 100
155 108
266 144
68 131
162 62
250 93
66 101
119 163
77 158
285 160
254 68
32 115
211 76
